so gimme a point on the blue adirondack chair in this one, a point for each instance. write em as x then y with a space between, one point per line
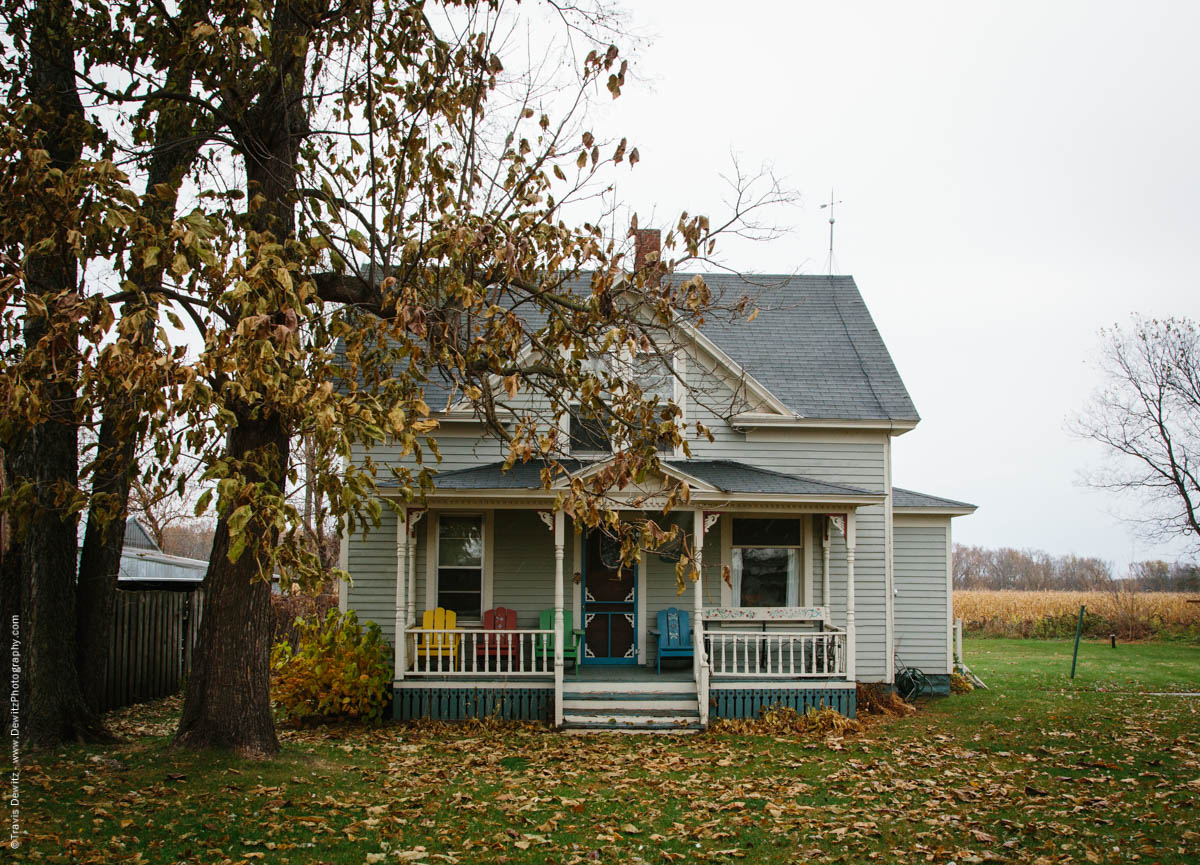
572 645
674 635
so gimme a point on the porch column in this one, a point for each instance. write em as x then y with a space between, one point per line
699 669
559 636
414 517
851 632
401 620
825 566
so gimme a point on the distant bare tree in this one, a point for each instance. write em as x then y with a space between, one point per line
1160 576
1026 570
191 539
1147 415
158 508
169 518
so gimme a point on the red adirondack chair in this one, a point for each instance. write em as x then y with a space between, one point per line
499 645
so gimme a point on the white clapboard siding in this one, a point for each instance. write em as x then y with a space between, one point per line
921 594
372 565
523 554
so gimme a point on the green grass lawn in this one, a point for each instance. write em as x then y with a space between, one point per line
1037 769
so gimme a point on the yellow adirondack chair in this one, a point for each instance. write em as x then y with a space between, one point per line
440 651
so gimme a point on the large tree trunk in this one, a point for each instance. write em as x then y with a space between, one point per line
103 543
11 571
176 148
54 709
228 703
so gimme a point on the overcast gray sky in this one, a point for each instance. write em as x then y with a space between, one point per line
1015 177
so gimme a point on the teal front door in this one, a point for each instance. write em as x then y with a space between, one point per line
609 603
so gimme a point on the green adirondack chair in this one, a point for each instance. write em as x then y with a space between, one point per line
572 646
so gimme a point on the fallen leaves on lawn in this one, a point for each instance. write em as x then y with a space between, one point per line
784 788
781 720
880 699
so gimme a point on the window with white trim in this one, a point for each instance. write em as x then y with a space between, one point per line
587 431
460 564
766 562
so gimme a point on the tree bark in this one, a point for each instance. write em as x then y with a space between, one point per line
12 569
228 702
103 544
54 709
176 148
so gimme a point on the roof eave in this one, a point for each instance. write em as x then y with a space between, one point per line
706 498
934 511
749 420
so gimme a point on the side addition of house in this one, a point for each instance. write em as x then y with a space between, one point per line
815 572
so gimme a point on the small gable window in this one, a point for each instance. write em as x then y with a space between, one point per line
588 430
589 435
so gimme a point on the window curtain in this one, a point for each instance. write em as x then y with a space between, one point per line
793 578
736 575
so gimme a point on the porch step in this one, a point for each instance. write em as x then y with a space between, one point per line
644 686
627 702
632 706
631 723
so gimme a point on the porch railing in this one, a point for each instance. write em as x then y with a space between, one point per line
792 654
475 651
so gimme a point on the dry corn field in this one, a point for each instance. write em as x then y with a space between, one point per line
1131 615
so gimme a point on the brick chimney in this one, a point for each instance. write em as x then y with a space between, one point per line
647 242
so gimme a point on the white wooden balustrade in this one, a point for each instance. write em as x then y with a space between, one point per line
475 651
789 654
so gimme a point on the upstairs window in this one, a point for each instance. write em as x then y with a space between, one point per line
589 434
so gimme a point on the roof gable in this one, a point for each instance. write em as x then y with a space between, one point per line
814 345
812 351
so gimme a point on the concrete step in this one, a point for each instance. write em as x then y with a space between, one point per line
647 686
601 730
649 710
617 703
631 722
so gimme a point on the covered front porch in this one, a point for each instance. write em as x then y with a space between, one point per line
771 619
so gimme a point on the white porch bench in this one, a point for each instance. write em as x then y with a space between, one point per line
773 643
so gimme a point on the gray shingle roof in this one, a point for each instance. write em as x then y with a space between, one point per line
734 477
725 475
908 499
491 476
814 345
